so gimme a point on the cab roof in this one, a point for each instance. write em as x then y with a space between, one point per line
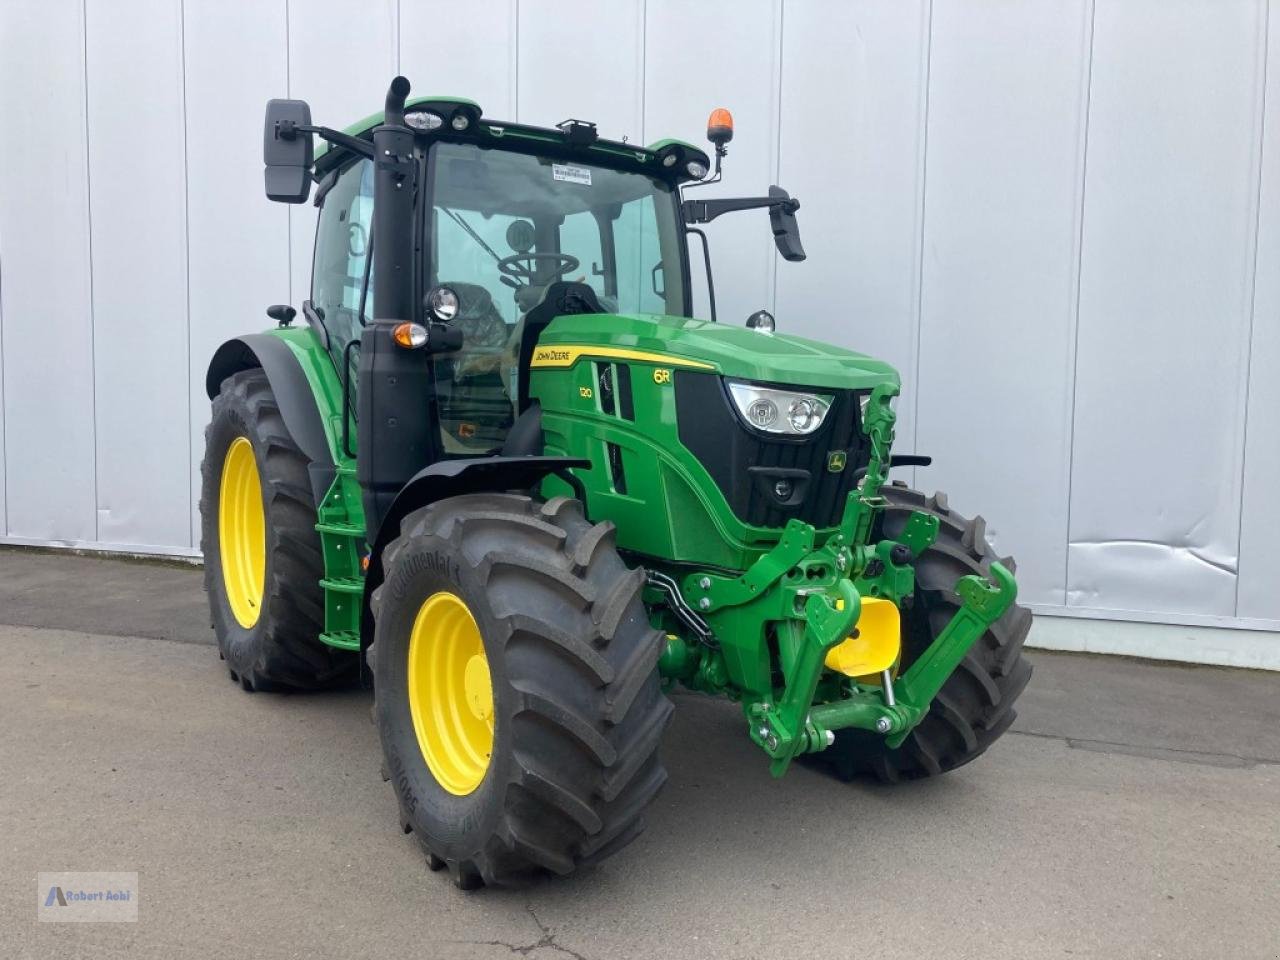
666 159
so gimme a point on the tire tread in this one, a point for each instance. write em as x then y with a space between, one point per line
589 714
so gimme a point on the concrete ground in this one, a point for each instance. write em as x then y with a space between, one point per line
1134 811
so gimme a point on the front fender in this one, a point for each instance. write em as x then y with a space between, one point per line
452 478
300 400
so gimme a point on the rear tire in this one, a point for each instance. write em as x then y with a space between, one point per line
975 705
577 710
281 647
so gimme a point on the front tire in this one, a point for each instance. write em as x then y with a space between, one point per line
262 559
975 705
573 707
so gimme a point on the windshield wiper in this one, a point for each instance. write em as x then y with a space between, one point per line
471 233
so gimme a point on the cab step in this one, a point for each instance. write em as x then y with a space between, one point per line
343 585
340 529
343 641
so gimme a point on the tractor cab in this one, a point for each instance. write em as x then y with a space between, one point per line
499 213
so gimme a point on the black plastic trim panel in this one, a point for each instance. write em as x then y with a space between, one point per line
747 465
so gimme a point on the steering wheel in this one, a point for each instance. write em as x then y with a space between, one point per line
520 266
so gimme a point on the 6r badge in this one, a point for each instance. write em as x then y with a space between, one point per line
836 460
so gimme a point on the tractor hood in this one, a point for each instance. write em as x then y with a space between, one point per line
732 351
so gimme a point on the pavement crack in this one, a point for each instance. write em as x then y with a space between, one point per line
548 936
1206 758
547 940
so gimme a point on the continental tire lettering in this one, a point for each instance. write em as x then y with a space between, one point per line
435 561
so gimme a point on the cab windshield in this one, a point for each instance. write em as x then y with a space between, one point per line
512 223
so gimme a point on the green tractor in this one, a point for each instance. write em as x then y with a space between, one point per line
502 471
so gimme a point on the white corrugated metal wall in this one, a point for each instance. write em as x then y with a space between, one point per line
1060 220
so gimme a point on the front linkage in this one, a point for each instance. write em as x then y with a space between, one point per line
764 637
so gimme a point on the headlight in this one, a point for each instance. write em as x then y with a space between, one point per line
805 414
779 411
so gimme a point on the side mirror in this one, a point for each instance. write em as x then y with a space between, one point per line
782 220
287 151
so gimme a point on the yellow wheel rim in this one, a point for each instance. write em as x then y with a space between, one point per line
242 543
451 693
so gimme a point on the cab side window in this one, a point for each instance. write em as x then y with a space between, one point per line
639 257
338 281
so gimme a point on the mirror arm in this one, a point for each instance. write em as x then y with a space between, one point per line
704 211
340 139
288 130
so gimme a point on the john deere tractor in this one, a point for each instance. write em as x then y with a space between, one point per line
502 472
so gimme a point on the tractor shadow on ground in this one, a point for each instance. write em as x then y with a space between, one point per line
721 801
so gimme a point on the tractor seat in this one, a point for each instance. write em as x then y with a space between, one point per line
525 437
561 298
478 317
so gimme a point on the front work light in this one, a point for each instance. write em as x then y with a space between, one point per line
442 303
424 120
779 411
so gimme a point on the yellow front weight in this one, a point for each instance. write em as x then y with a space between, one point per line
874 645
451 693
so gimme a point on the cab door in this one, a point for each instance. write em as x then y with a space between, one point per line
341 272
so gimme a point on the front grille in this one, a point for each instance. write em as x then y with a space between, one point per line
712 431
